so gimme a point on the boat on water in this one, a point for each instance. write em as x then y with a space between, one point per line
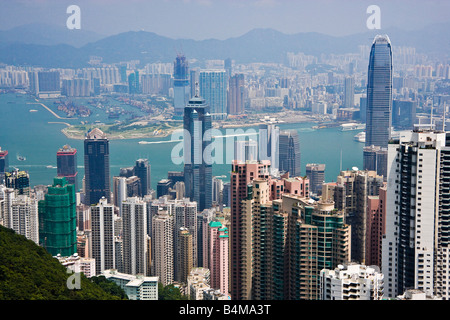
352 126
360 137
21 158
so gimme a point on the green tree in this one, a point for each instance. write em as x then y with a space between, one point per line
170 292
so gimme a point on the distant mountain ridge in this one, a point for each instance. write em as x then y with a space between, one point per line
257 45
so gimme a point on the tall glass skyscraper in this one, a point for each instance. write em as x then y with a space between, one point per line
96 167
181 88
213 88
66 163
197 167
379 93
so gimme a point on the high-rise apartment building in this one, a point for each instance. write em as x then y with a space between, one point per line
134 245
197 162
184 253
96 167
351 282
415 249
66 164
103 236
218 256
162 239
20 213
379 93
57 219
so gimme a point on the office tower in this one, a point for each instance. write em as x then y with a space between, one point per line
217 191
20 213
351 282
226 194
134 219
193 79
133 186
403 114
213 88
363 109
66 164
308 236
179 190
185 261
376 227
269 145
4 164
103 236
350 196
197 164
415 251
245 150
163 187
96 167
375 159
289 160
133 83
181 89
379 93
142 170
349 92
57 219
236 94
18 180
316 175
218 256
162 239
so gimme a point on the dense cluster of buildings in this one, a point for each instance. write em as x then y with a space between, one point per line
270 233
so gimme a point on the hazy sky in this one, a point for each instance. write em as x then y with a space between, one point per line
221 19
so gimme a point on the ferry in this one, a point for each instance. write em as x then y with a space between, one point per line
352 126
360 137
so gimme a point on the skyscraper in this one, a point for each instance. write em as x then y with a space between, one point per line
197 165
142 171
349 92
181 89
289 150
213 88
162 239
135 246
218 256
96 167
102 227
316 174
269 145
245 150
415 249
379 93
236 96
4 164
18 180
57 219
66 164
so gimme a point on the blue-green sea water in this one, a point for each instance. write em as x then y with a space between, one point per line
32 135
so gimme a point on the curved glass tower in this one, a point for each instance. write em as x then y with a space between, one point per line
379 93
